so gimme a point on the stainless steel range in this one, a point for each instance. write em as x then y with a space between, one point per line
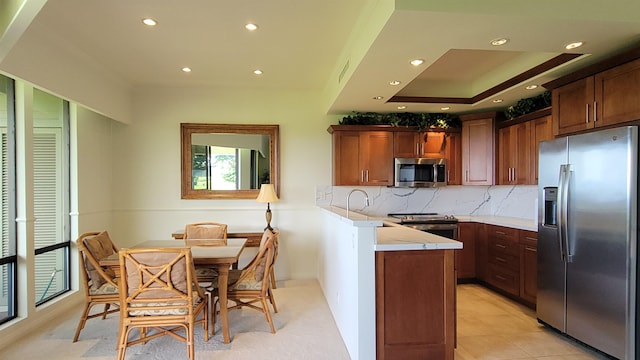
443 225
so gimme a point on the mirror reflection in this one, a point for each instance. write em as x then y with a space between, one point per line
230 161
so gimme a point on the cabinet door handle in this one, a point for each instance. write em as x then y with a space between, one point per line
586 115
501 259
367 176
417 148
362 176
595 111
501 246
448 178
466 175
513 174
501 278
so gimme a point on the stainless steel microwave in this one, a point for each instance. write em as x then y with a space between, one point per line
420 172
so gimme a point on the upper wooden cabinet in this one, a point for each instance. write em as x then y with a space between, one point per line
607 98
541 130
453 154
517 149
363 158
478 149
410 144
514 154
364 155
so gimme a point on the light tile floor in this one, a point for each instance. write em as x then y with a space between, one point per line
491 326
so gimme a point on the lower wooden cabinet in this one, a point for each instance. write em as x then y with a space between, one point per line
506 260
415 304
528 265
466 257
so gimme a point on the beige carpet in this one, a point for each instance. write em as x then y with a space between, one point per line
305 330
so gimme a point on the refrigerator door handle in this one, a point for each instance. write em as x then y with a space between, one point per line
559 211
563 208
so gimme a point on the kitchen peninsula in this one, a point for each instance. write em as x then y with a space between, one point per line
391 289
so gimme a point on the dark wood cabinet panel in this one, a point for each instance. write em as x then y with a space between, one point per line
415 304
541 130
617 94
482 254
453 149
514 154
608 98
528 265
465 258
406 144
572 107
363 158
504 259
478 151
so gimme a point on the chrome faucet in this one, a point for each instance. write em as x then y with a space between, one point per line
366 198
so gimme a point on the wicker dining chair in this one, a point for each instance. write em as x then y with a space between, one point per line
159 295
100 284
251 286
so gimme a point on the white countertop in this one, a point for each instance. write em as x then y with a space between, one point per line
391 236
394 237
517 223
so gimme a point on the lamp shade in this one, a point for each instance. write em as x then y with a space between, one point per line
267 194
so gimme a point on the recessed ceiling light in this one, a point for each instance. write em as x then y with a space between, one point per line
186 69
257 72
416 62
149 22
378 98
531 87
445 108
497 100
499 41
251 27
573 45
401 107
394 82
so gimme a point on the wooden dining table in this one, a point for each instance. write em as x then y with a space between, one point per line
222 257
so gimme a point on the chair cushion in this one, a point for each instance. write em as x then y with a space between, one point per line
104 289
202 272
167 311
100 246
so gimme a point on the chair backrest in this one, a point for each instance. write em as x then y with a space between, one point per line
94 246
205 234
255 276
157 281
265 236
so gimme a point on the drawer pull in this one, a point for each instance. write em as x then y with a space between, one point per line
501 259
501 232
501 246
501 278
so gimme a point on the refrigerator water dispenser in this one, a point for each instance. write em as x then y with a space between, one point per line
550 206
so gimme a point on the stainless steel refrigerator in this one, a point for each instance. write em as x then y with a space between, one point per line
587 238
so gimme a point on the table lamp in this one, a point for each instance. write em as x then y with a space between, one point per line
267 194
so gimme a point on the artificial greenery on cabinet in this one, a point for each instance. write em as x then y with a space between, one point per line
529 105
420 120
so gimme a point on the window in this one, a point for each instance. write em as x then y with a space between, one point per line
51 195
8 258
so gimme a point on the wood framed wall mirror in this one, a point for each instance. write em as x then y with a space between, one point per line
227 161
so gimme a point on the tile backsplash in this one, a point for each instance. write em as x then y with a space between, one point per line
517 201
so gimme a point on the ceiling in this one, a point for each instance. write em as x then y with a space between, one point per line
349 50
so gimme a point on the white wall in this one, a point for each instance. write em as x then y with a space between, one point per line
146 168
92 169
